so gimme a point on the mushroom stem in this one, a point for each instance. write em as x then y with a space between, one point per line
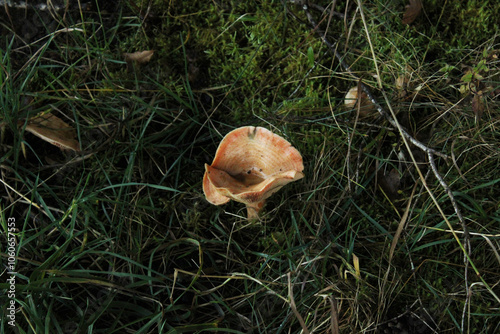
253 209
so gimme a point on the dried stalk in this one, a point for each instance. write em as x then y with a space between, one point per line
293 306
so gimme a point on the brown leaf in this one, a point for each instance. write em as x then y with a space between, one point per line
412 10
54 130
402 85
139 57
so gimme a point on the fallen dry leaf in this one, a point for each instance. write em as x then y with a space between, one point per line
402 85
139 57
54 130
412 10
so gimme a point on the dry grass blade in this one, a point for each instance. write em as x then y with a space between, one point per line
334 315
401 225
478 106
493 248
54 130
294 307
139 57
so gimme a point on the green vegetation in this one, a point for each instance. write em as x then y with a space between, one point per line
120 239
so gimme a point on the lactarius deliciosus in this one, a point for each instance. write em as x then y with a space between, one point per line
250 165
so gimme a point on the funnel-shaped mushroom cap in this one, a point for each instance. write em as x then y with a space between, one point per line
250 165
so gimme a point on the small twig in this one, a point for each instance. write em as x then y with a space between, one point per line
447 189
466 240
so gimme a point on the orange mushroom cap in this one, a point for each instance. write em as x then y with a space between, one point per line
250 165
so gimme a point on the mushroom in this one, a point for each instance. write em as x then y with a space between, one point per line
250 165
352 98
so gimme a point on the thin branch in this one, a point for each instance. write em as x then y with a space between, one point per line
466 240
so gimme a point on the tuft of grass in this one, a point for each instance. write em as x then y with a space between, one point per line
120 237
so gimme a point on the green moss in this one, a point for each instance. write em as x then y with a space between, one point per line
465 24
245 50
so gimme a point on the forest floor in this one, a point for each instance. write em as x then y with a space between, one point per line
111 109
